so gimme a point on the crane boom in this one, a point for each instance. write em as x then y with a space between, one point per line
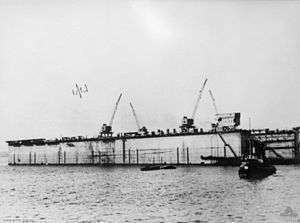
115 110
213 101
198 99
135 116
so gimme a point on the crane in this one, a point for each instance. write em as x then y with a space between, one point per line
219 119
188 123
106 129
198 99
142 130
224 121
115 110
135 117
213 101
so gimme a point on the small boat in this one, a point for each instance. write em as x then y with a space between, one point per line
168 167
150 167
158 167
254 168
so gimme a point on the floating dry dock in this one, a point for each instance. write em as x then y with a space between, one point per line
198 148
224 144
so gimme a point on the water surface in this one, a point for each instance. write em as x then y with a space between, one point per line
126 194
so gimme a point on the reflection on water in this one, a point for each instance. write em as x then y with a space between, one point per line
120 194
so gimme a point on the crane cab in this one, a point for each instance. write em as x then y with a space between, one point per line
106 130
227 121
143 131
187 124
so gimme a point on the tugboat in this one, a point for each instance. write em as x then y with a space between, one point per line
254 168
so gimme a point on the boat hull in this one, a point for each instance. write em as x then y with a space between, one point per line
150 167
158 167
256 170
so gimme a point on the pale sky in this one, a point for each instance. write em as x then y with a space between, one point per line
157 53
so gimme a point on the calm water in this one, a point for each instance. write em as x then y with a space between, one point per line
125 194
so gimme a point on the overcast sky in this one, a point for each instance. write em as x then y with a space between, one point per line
157 53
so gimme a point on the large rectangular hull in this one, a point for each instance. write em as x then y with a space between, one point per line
177 149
